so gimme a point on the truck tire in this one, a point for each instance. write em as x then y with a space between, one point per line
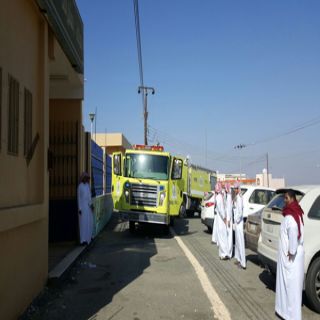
182 211
172 221
313 285
132 226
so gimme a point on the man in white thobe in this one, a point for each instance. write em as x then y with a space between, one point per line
222 239
229 215
85 209
214 236
290 264
239 251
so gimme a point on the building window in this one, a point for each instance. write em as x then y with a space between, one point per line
27 121
0 108
13 116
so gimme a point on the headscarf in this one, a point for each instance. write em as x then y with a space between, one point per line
84 175
293 209
227 186
237 185
218 187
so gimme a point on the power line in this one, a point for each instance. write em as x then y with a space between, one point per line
295 129
156 135
138 39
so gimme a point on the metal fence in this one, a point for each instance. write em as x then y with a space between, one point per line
96 169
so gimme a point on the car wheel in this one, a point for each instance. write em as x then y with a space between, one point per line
313 285
209 229
132 226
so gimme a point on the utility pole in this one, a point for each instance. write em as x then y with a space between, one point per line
267 169
240 147
206 148
144 90
92 117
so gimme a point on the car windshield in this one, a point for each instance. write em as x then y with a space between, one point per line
277 203
147 166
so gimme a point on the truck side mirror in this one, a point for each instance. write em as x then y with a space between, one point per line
176 169
117 164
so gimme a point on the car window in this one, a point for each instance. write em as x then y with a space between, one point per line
261 197
208 196
243 191
314 212
278 201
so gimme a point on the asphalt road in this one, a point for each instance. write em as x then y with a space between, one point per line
148 276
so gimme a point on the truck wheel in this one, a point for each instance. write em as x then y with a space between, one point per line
172 221
132 226
313 285
182 211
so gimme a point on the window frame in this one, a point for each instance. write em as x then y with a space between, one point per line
260 190
28 108
313 205
13 116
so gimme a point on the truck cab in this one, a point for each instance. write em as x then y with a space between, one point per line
147 185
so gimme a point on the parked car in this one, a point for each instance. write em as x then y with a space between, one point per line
309 198
252 230
255 198
207 210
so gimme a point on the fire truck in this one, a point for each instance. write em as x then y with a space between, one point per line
150 185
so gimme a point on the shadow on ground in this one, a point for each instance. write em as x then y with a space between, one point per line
114 260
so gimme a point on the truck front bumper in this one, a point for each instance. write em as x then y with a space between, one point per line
141 216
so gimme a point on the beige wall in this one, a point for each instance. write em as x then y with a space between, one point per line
20 58
23 189
112 142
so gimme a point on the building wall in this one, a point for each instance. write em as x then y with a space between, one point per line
23 188
274 183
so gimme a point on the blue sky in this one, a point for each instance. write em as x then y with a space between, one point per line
234 71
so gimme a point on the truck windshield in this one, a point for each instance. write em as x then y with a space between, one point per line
147 166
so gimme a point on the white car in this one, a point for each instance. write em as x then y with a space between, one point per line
207 210
255 198
309 199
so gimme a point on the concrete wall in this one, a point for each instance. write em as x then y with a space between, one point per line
23 189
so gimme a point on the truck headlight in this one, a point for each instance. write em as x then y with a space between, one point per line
162 197
127 195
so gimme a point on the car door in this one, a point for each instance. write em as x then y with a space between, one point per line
117 179
176 186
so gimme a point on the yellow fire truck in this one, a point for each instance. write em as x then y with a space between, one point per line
153 186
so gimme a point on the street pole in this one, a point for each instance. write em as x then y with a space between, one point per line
240 147
144 90
95 125
145 116
268 170
92 117
206 150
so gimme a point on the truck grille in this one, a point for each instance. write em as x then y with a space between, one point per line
144 195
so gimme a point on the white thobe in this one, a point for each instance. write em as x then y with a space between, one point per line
85 218
290 274
214 236
229 224
239 251
222 239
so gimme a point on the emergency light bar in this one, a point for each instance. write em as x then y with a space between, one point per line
149 148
